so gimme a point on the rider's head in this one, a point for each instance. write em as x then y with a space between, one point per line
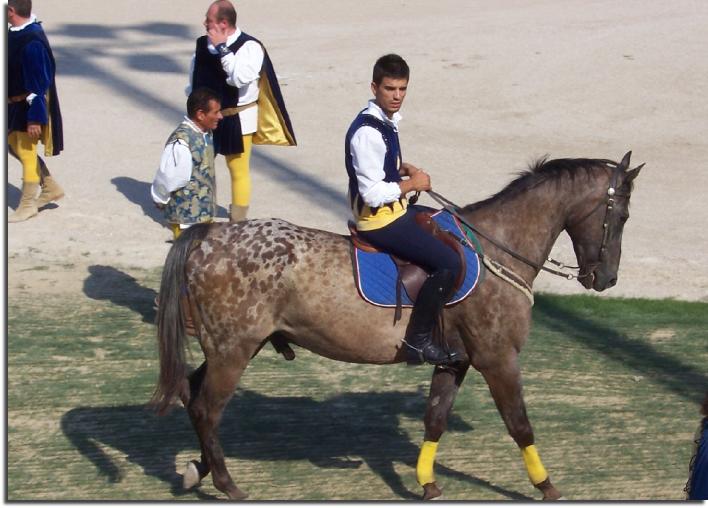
390 83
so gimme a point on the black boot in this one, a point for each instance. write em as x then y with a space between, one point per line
433 295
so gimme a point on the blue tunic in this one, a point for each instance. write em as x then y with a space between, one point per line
31 69
698 482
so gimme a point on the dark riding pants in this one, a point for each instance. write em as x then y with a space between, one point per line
405 239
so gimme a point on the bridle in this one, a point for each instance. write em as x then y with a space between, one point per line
609 210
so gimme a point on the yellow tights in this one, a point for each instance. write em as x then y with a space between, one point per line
238 165
26 150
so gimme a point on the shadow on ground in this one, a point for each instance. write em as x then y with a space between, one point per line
675 375
86 60
256 427
108 283
138 193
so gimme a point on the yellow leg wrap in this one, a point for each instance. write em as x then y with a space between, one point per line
426 459
26 150
240 173
534 467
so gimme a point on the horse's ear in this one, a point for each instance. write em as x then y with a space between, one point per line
625 160
632 173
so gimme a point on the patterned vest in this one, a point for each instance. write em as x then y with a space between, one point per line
196 201
373 218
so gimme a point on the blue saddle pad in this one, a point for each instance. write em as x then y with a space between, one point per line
376 273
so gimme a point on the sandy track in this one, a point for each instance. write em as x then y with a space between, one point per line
493 87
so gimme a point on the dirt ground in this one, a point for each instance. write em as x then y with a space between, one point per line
493 87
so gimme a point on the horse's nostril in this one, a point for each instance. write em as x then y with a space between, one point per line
612 282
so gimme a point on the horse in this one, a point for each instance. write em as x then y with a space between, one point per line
264 281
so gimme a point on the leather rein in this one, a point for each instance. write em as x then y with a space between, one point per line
609 203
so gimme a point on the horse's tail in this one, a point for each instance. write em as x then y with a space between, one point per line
171 334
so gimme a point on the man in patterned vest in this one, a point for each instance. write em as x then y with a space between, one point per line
185 184
377 191
33 113
237 66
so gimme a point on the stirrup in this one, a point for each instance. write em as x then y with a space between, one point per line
416 356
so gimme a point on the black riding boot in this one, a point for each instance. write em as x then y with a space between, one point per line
433 295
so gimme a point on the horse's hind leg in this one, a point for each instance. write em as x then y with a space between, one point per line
196 470
215 386
504 381
443 389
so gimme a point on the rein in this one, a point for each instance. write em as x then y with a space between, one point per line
516 280
453 209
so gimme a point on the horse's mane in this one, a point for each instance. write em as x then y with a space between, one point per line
541 171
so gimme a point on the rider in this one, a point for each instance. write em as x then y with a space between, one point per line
377 196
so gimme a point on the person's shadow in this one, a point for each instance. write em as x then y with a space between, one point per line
108 283
261 428
138 192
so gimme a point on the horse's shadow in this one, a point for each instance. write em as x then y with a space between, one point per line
108 283
261 428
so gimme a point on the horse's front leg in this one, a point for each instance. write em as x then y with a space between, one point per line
504 381
443 389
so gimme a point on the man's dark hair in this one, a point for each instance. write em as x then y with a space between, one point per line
390 66
199 99
23 8
225 10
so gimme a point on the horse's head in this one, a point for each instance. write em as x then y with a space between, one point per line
597 234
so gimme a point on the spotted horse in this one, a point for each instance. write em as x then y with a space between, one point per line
261 281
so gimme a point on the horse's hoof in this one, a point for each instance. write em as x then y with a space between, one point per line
550 493
190 477
236 494
554 495
431 491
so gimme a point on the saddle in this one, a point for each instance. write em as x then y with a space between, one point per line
411 276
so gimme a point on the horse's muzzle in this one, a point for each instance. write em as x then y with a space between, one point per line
598 281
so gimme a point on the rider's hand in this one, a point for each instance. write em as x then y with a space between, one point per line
407 169
420 181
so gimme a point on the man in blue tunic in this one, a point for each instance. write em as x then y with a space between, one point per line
237 66
697 486
33 113
377 192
